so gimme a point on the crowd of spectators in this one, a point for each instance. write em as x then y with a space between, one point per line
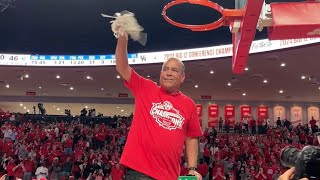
250 152
59 150
88 149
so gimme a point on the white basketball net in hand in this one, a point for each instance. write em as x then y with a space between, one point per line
126 22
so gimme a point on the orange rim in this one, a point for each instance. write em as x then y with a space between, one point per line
226 14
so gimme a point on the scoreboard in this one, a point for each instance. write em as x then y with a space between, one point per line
148 58
61 60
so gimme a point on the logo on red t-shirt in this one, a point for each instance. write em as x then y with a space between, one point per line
166 115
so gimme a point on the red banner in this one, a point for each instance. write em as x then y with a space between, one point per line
245 111
262 112
199 113
121 95
229 113
213 115
30 93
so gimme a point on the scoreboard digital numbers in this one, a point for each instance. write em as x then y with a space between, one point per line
13 59
75 60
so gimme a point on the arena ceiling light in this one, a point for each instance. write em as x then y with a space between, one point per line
89 77
303 77
246 69
196 86
58 76
118 77
211 72
7 86
229 84
282 64
280 91
265 81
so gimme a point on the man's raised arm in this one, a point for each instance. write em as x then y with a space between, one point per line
122 65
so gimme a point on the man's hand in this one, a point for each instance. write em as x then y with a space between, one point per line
289 175
195 173
3 177
123 36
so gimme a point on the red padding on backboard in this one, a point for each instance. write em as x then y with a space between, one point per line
242 41
295 20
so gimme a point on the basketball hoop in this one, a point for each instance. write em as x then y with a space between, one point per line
280 18
227 15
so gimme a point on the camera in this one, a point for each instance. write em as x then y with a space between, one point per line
305 161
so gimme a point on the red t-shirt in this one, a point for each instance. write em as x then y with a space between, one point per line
18 173
259 177
270 171
310 138
215 170
29 166
117 174
206 152
159 128
9 169
7 146
302 137
203 169
313 123
68 143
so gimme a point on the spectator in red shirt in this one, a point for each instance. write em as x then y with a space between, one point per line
184 169
18 170
117 173
28 168
68 145
310 138
313 125
218 173
313 122
203 168
9 168
207 153
270 171
260 175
